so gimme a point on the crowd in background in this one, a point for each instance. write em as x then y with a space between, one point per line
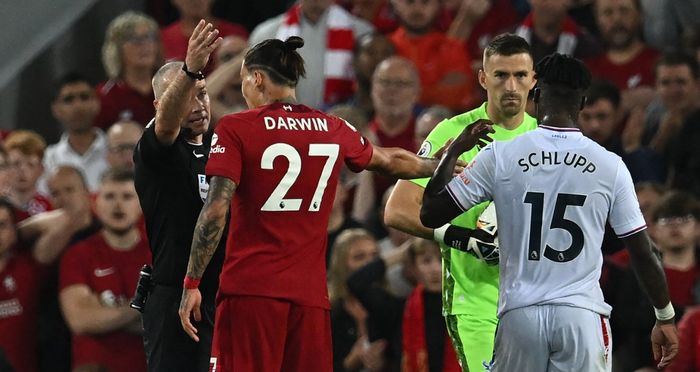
72 239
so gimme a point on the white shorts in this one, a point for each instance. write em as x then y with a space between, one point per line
552 338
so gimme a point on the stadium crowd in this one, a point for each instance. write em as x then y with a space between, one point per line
72 238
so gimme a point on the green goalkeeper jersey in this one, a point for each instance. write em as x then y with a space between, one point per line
469 286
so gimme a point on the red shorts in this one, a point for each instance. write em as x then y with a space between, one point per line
270 335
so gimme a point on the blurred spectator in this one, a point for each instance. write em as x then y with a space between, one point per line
395 91
426 346
352 350
21 276
688 358
675 232
677 88
75 106
378 12
476 22
599 120
25 151
648 194
71 222
224 88
370 49
549 29
131 55
443 64
329 34
122 138
684 156
626 62
692 44
176 35
353 115
339 219
99 276
231 47
666 20
428 120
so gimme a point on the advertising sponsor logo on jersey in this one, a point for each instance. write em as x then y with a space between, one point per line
216 149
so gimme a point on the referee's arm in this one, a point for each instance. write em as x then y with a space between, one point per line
207 233
175 90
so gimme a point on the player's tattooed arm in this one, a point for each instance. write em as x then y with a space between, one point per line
210 225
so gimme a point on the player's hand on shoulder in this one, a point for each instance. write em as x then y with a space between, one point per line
474 134
204 39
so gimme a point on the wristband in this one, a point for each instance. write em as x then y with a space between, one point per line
191 283
667 313
192 75
439 233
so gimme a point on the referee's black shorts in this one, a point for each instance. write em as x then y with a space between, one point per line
168 348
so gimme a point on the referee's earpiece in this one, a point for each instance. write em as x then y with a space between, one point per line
536 95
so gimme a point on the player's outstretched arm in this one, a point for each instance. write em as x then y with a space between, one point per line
646 265
398 163
438 206
207 233
174 106
403 209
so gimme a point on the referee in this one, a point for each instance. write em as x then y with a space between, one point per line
169 161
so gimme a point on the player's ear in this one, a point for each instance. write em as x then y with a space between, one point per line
536 95
482 78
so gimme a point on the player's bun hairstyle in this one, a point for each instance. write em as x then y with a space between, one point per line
279 59
563 72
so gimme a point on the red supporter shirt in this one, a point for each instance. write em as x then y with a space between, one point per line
680 285
405 140
120 101
112 275
636 73
285 160
175 41
20 282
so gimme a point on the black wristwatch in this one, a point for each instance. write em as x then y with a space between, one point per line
193 75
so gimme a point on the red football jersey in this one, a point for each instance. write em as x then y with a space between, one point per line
113 276
635 73
20 282
119 101
286 160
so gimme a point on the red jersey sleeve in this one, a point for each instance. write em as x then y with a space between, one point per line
70 271
226 153
358 149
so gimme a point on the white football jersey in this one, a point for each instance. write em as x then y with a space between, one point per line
554 190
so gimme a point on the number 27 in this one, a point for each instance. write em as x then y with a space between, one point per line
276 202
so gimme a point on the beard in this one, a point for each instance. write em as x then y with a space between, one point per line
620 37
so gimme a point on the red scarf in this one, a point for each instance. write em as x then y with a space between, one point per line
567 39
415 347
337 69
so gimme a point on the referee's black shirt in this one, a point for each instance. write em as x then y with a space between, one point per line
171 185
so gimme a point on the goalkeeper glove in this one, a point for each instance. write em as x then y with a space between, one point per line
479 243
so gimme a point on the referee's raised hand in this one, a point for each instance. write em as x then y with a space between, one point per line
203 41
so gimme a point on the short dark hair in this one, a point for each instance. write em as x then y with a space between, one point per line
67 79
562 80
507 45
602 90
678 58
117 175
279 59
676 203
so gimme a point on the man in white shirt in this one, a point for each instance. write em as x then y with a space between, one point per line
554 190
82 146
325 28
